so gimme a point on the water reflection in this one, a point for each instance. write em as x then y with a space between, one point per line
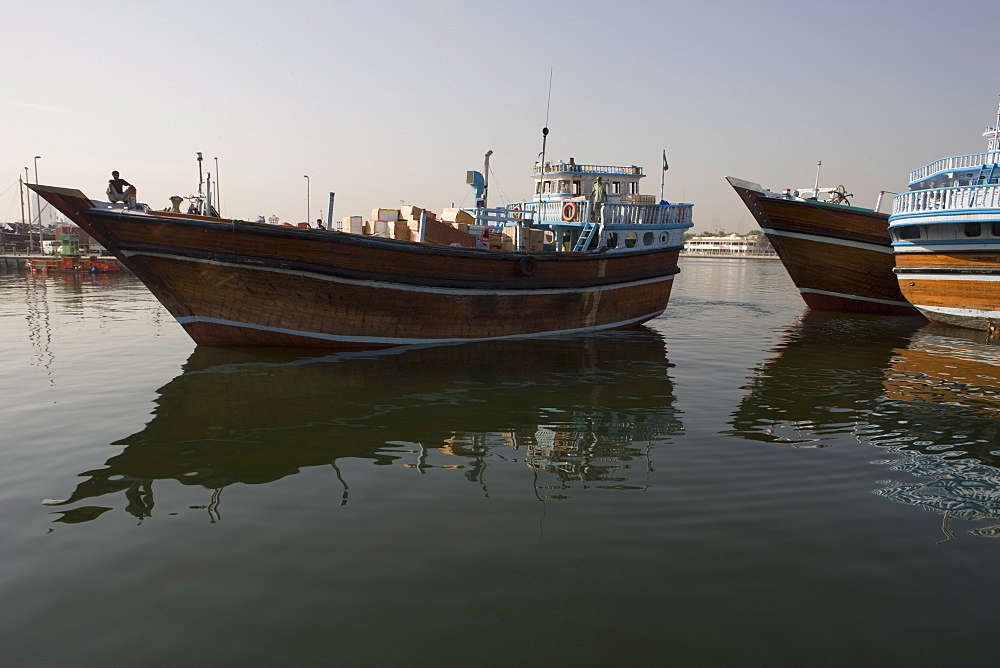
824 376
928 396
940 419
575 413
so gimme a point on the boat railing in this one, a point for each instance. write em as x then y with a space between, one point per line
947 199
582 211
501 217
559 167
955 162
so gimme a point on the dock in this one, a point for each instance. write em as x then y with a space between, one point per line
17 262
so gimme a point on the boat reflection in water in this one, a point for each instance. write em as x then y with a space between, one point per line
926 395
581 412
940 417
826 373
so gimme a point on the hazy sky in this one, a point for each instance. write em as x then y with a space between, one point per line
390 101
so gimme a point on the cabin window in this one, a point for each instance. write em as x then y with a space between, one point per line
909 232
633 188
630 239
973 229
612 240
647 239
963 183
546 186
995 229
576 188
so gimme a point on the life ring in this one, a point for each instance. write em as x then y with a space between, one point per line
569 212
515 207
527 265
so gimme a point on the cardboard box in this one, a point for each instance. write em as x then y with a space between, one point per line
384 215
410 211
352 225
401 231
458 216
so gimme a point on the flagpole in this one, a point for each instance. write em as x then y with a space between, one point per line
663 173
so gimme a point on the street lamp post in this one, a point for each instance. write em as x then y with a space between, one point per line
38 205
308 208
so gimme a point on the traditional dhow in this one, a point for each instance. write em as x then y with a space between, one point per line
946 236
231 282
838 256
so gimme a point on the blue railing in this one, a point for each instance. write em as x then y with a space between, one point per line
946 199
954 162
573 168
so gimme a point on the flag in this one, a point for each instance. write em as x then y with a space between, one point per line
665 166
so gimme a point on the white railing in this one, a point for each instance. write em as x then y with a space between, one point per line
947 199
557 167
955 162
551 213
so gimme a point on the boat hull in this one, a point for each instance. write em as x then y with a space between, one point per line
235 283
840 258
957 289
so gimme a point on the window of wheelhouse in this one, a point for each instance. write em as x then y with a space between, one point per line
973 230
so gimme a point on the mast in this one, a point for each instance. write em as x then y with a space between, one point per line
816 186
20 187
29 215
996 133
545 130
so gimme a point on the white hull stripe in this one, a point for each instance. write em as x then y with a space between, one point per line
961 312
826 240
972 278
410 288
855 297
399 341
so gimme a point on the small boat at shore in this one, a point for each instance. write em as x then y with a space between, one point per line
564 264
838 256
946 236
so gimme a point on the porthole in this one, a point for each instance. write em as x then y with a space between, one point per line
647 239
909 232
630 239
995 229
973 229
663 238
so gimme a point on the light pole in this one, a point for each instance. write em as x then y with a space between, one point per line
308 208
38 204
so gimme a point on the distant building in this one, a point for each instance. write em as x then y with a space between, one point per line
751 246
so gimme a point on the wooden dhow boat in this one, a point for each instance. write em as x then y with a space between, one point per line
838 256
563 267
946 236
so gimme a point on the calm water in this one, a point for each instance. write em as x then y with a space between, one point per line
742 482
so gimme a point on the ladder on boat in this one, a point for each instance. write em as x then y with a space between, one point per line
583 243
986 173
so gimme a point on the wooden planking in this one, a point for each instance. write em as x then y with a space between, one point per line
350 253
816 265
304 304
967 260
825 219
958 294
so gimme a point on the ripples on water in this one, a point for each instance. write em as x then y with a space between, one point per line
713 487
